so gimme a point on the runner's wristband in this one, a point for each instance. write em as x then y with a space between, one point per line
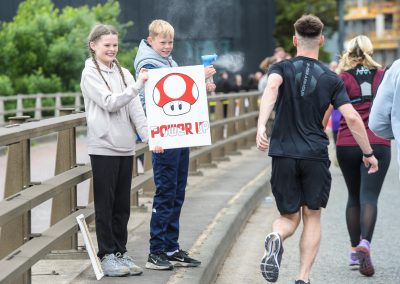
369 155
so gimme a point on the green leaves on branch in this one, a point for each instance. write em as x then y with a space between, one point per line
289 11
6 86
37 83
44 49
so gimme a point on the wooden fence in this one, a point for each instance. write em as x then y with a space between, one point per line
233 126
37 104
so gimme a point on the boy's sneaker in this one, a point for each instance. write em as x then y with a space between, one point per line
128 261
182 258
271 261
158 261
301 282
354 263
364 257
112 267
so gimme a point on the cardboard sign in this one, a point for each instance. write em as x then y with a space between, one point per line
90 247
177 108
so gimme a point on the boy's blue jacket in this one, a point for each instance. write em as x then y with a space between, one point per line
147 57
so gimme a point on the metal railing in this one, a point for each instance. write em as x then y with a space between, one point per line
233 126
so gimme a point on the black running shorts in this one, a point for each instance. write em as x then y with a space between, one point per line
297 182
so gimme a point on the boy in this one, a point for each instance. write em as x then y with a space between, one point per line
170 168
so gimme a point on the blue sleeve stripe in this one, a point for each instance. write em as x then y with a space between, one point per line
149 66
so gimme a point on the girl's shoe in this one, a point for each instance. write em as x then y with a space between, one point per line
126 260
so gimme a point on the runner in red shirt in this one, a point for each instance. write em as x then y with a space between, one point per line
361 76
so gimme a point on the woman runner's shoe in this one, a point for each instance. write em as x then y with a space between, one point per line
364 257
354 263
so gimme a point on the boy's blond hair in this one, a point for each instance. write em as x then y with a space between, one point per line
160 27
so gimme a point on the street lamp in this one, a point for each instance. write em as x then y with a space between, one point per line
340 8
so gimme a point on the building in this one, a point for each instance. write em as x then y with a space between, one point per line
380 21
201 26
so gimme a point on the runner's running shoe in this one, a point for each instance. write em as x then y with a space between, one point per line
271 261
364 257
354 263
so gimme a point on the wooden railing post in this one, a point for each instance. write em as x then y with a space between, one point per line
90 198
231 148
206 160
135 197
38 106
58 105
252 121
149 187
18 176
193 167
217 133
65 203
77 101
20 106
241 123
2 119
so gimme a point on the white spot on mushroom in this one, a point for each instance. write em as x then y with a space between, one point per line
174 86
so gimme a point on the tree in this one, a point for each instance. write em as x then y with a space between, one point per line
289 11
44 49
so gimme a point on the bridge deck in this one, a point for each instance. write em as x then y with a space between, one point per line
207 196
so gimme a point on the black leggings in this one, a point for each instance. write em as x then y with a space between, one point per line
363 189
112 177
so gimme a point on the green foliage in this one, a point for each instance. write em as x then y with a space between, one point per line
126 58
44 49
6 88
289 11
37 83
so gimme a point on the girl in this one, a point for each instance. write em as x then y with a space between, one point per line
113 113
361 77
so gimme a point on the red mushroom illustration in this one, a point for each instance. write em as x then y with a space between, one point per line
175 93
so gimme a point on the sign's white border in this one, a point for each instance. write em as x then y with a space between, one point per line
89 247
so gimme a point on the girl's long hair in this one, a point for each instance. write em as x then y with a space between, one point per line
359 51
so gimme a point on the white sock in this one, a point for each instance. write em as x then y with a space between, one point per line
169 253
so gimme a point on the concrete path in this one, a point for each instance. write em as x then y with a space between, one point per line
242 265
217 206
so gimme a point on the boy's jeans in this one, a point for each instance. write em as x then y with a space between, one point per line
170 176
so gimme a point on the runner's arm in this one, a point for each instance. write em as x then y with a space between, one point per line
357 128
268 100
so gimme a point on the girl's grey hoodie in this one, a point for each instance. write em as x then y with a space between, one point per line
113 116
